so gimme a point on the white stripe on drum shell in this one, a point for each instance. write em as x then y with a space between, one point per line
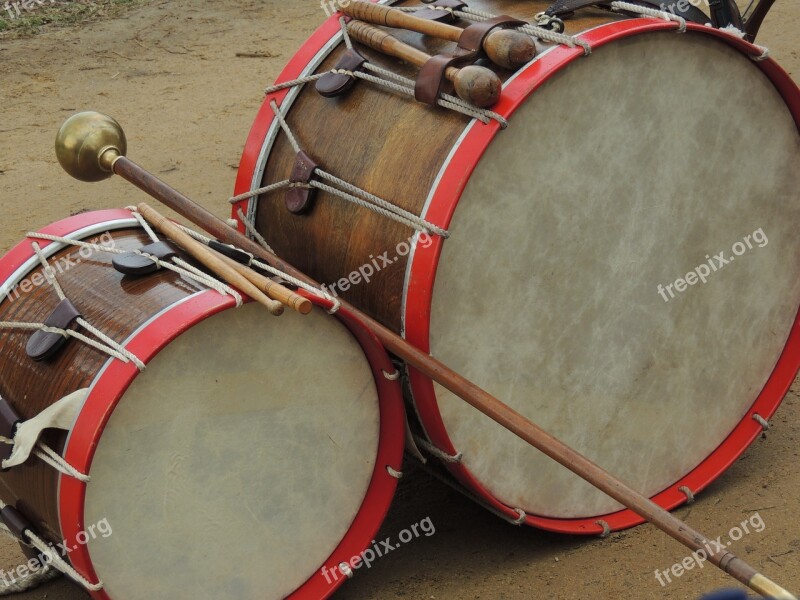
54 247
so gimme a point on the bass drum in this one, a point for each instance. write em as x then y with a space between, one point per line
231 454
620 263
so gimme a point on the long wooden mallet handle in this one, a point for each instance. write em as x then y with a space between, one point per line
476 85
207 257
506 48
272 289
92 134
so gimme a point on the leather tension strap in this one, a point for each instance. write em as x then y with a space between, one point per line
299 196
431 77
333 84
473 37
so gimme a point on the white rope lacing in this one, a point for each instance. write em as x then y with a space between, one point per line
765 53
264 190
66 333
438 453
253 262
190 270
405 86
52 559
478 16
251 230
50 457
186 270
606 529
32 581
650 12
105 344
47 455
400 85
350 192
667 16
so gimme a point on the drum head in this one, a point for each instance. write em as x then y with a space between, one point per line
622 174
236 463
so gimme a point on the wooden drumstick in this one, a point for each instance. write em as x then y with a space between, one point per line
207 257
506 48
272 289
477 85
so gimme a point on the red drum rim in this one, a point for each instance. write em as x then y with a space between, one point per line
112 382
442 207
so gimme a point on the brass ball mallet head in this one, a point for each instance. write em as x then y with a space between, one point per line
87 145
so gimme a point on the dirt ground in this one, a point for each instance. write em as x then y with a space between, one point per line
169 72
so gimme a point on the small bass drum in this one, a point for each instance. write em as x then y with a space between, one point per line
620 263
231 454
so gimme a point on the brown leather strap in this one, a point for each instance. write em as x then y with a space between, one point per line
473 37
43 344
336 84
431 77
298 199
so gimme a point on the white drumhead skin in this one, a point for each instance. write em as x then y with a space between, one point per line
235 464
621 173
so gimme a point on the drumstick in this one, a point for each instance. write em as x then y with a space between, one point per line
207 257
90 147
271 288
476 85
506 48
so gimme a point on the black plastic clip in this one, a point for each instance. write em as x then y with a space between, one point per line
232 252
16 523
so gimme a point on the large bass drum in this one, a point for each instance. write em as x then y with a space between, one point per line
200 450
620 263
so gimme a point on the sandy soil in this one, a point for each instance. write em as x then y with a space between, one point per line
169 72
